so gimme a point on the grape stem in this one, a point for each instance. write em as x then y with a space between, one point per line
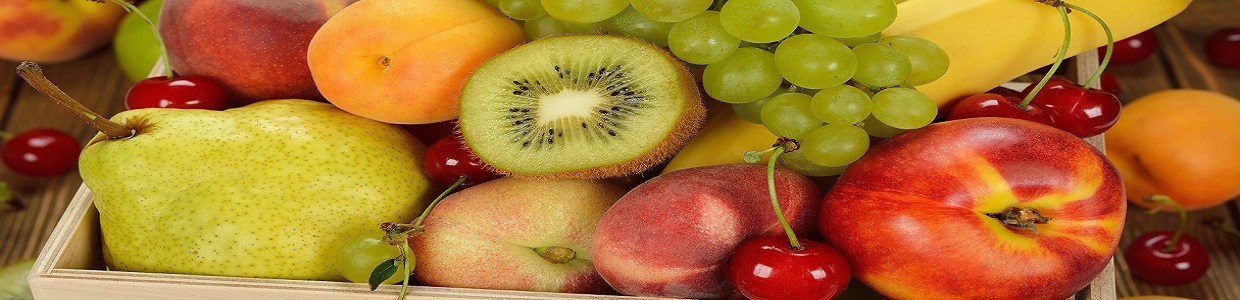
1179 230
163 50
1063 52
779 213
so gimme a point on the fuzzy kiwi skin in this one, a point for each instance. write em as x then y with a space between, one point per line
690 122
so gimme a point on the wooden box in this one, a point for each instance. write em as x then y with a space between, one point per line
71 266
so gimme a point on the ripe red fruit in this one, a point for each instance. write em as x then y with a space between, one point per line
43 152
765 267
449 158
1223 47
1148 260
195 92
1133 49
1083 112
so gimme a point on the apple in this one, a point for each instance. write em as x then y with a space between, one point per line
53 31
134 45
405 61
256 49
672 235
919 216
515 234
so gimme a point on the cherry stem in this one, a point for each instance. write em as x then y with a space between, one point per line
1106 57
1063 53
163 50
34 75
1218 224
1179 230
779 213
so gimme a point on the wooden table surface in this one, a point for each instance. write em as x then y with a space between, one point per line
97 82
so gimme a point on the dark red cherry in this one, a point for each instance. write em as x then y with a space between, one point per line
1133 49
191 92
1223 47
1148 259
449 158
43 152
766 267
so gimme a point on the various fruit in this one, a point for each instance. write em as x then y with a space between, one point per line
266 190
40 152
1179 143
1223 47
50 31
962 209
580 106
255 49
405 62
672 235
516 234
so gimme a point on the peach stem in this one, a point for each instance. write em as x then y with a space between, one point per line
1179 230
34 75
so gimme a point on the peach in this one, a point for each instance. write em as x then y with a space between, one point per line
53 31
405 61
1180 143
672 236
256 49
515 234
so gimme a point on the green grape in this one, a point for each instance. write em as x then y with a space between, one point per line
854 41
841 104
670 10
747 75
835 145
797 162
880 65
927 60
359 256
759 21
846 18
752 111
878 129
595 27
814 61
631 23
788 115
544 26
584 11
904 108
701 40
522 9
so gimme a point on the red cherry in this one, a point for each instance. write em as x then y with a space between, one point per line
764 267
1147 260
1083 112
995 105
193 92
449 158
1133 49
41 152
1223 47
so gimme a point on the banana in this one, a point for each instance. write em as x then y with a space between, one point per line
989 42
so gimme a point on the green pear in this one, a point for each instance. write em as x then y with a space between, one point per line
269 190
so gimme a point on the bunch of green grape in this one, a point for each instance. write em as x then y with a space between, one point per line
818 72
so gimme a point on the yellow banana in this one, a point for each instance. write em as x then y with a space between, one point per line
989 42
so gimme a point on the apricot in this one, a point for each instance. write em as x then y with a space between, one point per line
405 61
1180 143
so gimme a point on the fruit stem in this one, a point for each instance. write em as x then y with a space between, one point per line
779 213
405 253
459 180
1179 230
1218 224
34 75
163 50
556 254
1106 58
1063 52
6 195
1025 218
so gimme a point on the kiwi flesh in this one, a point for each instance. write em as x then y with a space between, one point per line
583 106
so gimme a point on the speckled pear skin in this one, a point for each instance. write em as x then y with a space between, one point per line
268 190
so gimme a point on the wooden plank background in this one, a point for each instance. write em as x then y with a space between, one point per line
96 81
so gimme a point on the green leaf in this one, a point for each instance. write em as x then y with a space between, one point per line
382 272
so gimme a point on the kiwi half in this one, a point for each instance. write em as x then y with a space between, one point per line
579 106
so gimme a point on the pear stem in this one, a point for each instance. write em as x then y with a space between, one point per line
34 75
163 50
